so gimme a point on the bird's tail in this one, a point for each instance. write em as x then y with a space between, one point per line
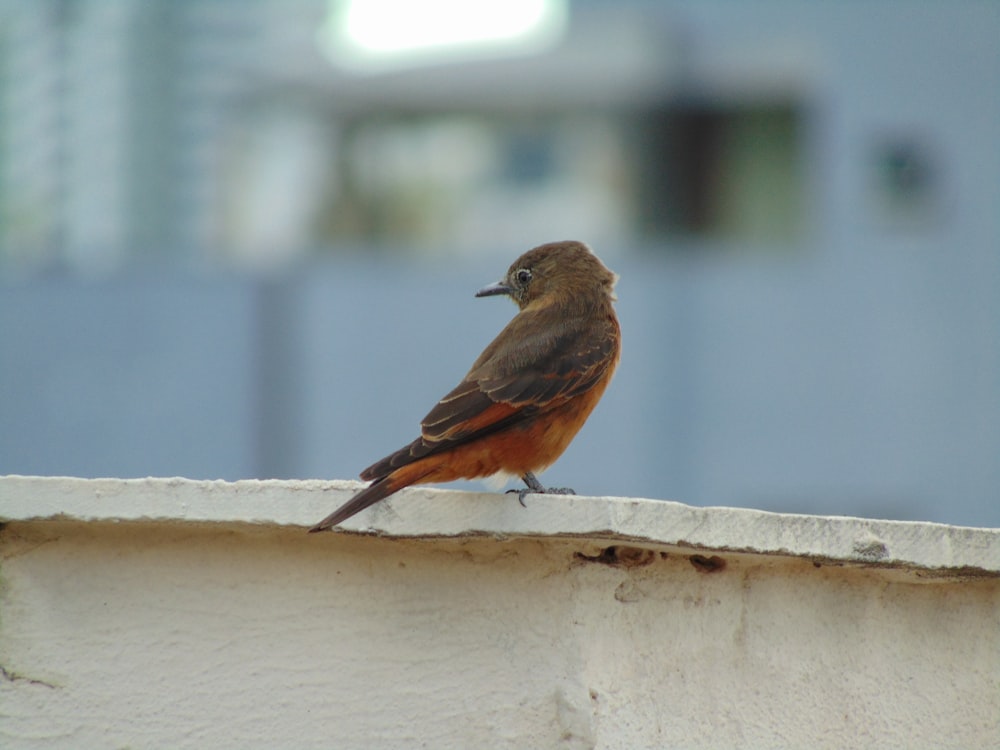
379 489
370 495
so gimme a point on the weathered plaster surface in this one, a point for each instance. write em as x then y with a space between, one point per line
171 613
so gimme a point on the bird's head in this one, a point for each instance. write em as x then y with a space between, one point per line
566 271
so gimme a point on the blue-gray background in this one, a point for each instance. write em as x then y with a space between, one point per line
170 304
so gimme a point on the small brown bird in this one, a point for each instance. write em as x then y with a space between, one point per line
528 393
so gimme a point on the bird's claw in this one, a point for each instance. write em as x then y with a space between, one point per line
521 493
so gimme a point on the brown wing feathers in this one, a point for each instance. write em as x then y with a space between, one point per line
475 409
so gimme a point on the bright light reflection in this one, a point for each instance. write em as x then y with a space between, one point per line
379 32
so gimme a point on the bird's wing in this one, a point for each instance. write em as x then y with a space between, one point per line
539 373
518 375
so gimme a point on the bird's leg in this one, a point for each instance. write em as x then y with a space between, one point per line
535 488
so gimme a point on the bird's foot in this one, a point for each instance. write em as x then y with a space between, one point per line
535 488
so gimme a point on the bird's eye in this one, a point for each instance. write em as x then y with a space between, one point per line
523 276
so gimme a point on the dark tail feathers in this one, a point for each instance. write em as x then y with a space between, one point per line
370 495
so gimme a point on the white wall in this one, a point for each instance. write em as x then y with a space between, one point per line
169 613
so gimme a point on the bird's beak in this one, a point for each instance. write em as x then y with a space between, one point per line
492 289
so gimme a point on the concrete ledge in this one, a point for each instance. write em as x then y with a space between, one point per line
926 549
184 614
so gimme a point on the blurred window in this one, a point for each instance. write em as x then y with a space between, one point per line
702 173
722 172
461 179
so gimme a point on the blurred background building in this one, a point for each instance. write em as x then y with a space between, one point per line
240 239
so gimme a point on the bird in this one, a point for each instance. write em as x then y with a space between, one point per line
530 391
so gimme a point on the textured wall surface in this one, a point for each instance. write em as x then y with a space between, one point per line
228 626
